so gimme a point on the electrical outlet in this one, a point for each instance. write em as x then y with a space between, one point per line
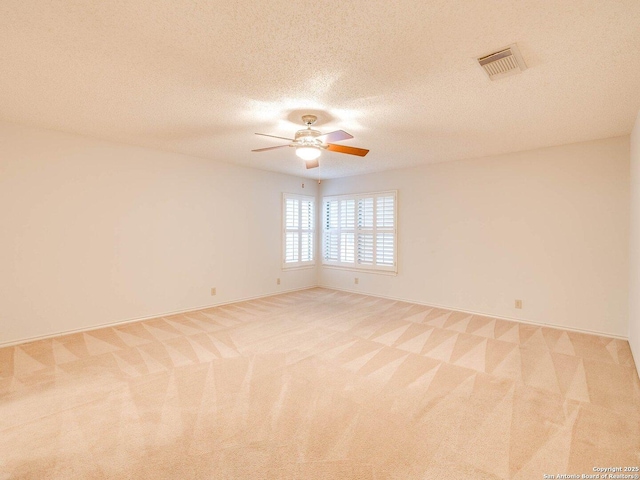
518 303
213 291
277 281
356 280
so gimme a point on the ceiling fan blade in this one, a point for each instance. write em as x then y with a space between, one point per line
312 163
269 148
361 152
274 136
335 136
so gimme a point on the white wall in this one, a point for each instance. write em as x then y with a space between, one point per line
634 247
548 226
93 232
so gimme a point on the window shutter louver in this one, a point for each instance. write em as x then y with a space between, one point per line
385 221
365 213
384 249
385 212
307 225
331 211
331 246
291 247
347 251
330 237
347 214
306 215
292 212
365 248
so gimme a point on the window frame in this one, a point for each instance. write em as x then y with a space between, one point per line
374 231
312 232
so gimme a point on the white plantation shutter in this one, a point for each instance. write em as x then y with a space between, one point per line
347 250
385 216
292 212
307 225
365 249
299 230
347 214
291 247
331 243
385 230
330 237
365 231
359 231
365 213
331 218
347 231
385 249
306 247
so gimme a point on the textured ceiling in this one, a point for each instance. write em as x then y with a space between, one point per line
200 77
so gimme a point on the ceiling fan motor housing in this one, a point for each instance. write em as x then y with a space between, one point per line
308 137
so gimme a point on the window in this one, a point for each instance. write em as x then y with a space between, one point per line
298 214
359 231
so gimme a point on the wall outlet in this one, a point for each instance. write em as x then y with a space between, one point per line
518 303
277 281
356 280
213 291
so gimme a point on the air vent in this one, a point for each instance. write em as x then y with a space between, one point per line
503 63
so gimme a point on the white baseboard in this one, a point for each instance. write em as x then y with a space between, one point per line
149 317
399 299
484 314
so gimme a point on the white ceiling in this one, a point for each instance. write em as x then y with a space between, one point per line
201 76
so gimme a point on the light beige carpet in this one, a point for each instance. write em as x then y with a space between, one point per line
318 384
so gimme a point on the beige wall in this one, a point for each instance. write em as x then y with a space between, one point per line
94 232
634 247
548 226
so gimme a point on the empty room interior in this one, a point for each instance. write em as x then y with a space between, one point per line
319 240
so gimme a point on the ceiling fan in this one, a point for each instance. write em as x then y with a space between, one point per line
309 143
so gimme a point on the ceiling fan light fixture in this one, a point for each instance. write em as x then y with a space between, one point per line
309 143
308 152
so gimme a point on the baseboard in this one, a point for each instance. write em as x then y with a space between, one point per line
484 314
149 317
399 299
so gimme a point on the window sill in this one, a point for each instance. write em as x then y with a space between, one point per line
299 267
389 273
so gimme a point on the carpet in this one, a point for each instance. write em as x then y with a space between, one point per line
318 384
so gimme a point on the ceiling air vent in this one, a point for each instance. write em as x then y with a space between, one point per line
503 63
